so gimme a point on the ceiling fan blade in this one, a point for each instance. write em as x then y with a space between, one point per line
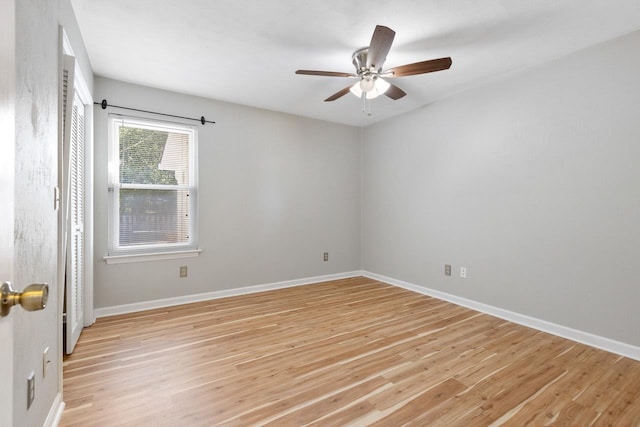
379 47
394 92
325 73
338 94
419 68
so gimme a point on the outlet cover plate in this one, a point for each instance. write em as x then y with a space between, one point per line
31 389
447 269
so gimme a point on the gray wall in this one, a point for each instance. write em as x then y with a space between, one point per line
531 182
275 192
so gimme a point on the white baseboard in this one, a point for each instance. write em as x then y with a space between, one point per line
186 299
587 338
607 344
55 413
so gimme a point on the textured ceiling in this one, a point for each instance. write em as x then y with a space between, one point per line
246 51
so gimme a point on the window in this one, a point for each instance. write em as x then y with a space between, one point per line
152 186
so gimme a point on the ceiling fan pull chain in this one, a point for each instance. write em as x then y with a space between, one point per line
366 106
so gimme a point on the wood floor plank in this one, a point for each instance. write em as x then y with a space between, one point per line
346 352
410 410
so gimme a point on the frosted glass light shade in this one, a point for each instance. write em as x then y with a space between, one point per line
378 89
382 86
371 88
356 90
367 84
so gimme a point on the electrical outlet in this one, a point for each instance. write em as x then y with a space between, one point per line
45 362
326 256
447 269
183 271
31 389
463 272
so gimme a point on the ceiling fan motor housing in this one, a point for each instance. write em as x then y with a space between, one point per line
367 76
359 59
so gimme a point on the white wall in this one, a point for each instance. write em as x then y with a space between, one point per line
276 191
531 182
36 154
67 19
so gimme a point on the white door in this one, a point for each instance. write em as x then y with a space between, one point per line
7 179
72 246
75 243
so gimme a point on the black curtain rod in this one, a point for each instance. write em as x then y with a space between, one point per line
104 106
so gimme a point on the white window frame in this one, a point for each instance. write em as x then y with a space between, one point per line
119 254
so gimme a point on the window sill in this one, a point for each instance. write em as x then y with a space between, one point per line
156 256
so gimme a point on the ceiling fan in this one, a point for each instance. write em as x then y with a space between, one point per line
369 61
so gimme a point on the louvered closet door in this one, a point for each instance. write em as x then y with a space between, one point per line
75 246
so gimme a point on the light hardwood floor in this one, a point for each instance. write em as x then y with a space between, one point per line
346 352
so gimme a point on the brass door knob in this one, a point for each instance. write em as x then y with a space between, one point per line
33 297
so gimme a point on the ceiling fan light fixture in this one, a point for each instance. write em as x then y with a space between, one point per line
367 84
379 88
382 85
372 94
356 90
372 88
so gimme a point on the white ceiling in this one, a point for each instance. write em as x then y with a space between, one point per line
246 51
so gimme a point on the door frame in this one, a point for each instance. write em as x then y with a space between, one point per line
7 195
